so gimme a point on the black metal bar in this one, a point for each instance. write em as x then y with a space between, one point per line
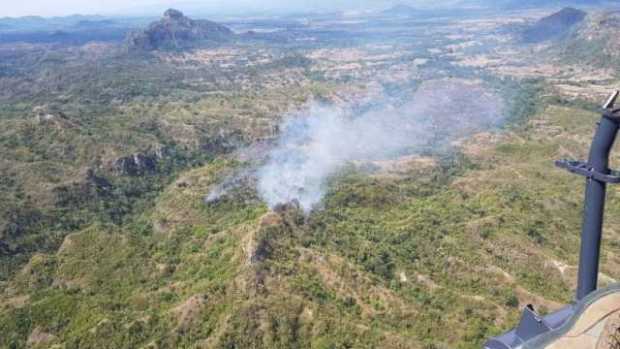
584 169
594 207
598 174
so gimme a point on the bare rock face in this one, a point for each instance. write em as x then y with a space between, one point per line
136 165
52 117
140 164
41 114
176 31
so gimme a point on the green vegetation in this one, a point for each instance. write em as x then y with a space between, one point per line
441 257
106 240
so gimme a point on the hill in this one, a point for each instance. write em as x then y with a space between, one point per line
433 259
520 4
176 31
401 10
554 26
594 41
35 23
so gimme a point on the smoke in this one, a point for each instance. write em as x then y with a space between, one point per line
318 141
229 184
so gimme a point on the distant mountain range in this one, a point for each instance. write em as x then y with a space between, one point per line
32 23
514 4
35 24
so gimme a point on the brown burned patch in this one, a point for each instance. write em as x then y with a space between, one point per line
271 219
188 313
480 146
256 248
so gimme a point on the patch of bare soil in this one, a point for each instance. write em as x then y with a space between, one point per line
525 298
39 338
480 146
17 301
188 312
397 168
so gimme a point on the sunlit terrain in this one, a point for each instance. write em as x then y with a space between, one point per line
357 179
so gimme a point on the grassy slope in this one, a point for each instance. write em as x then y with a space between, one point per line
439 258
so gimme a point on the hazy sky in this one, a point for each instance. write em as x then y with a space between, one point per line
13 8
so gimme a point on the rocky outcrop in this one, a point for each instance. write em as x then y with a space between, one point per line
136 165
176 31
52 117
221 143
139 164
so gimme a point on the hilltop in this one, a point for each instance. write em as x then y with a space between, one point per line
594 40
175 31
554 26
400 10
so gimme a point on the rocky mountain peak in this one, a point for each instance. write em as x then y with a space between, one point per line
173 14
176 31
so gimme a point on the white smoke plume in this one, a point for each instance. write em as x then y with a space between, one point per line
317 142
230 183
